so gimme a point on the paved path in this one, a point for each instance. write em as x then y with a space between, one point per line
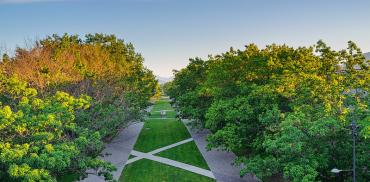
150 156
158 150
119 150
174 163
121 146
220 162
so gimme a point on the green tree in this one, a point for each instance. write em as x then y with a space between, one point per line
39 138
284 111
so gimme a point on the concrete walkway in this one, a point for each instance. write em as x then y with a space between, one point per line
174 163
158 150
118 151
220 162
150 156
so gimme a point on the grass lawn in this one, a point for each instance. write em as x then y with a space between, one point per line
187 153
150 171
169 114
162 104
158 133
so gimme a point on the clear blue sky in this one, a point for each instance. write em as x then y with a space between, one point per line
168 32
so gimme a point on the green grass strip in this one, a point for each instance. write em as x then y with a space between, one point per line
150 171
169 114
186 153
158 133
162 105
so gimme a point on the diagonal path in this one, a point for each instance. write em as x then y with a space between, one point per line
150 156
170 146
159 150
184 162
177 164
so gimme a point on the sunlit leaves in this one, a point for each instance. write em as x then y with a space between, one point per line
39 136
284 111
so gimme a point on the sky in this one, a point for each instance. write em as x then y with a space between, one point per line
169 32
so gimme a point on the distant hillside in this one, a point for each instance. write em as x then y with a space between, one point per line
162 80
367 55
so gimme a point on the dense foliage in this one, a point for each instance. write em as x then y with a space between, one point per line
61 98
40 138
284 111
100 66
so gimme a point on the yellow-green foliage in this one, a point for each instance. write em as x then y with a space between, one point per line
158 91
100 66
39 138
59 99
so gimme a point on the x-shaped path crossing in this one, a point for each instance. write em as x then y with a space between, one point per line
151 156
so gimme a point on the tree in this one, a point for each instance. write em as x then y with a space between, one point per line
62 98
283 111
39 138
5 58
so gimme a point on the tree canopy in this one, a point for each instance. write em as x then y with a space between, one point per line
59 101
283 111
